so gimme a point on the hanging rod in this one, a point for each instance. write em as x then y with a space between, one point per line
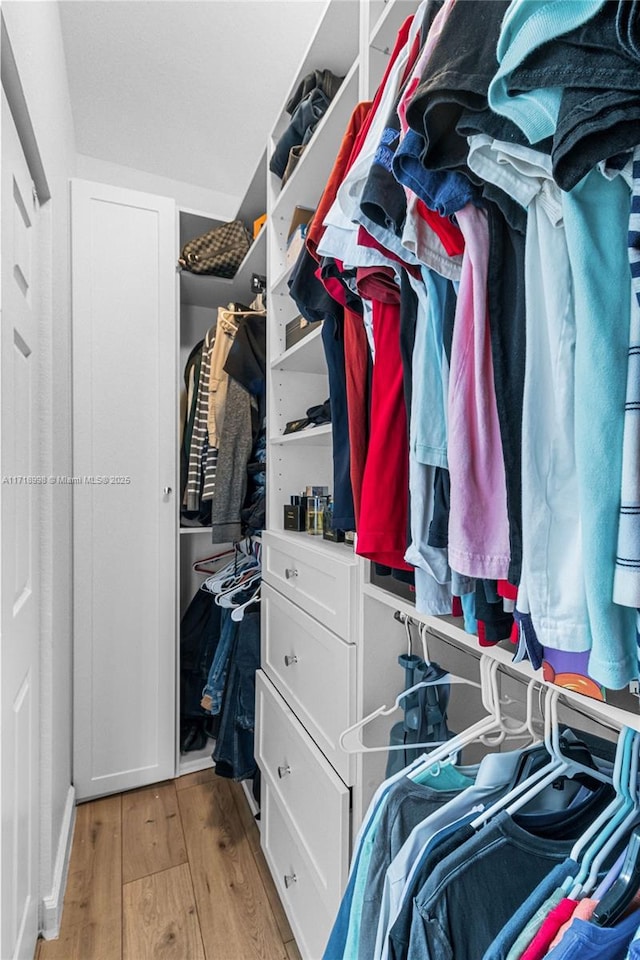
385 51
601 712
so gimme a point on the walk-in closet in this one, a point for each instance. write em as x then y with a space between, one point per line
320 486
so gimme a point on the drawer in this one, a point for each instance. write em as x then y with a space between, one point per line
321 578
314 670
307 787
310 920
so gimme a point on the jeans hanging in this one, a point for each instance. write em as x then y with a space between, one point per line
234 749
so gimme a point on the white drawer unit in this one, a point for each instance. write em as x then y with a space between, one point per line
307 787
314 670
323 582
310 920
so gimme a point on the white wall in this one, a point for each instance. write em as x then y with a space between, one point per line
34 32
220 206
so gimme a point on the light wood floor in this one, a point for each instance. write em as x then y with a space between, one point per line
170 872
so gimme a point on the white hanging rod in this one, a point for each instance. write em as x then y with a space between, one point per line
614 718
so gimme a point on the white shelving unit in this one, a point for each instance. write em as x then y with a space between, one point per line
199 298
306 356
320 670
315 435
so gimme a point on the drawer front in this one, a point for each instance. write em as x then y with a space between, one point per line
307 787
322 584
310 920
314 670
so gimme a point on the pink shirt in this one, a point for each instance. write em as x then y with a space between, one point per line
583 911
540 944
478 524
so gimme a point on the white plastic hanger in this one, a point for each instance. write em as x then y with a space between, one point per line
231 574
448 752
351 738
552 766
237 613
226 598
558 766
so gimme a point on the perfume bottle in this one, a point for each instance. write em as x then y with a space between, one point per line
315 511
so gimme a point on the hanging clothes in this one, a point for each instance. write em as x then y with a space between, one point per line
496 156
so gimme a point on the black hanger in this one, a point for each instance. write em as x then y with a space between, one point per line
536 757
614 903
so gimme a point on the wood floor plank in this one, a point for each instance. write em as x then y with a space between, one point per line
236 919
84 941
92 917
152 838
253 835
195 779
292 950
160 921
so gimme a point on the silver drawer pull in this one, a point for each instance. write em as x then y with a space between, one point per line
284 771
290 573
288 660
289 879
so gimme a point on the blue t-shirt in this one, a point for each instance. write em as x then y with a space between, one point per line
585 941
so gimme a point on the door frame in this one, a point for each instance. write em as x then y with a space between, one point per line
54 851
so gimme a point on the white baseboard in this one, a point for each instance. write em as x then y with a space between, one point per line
52 905
195 761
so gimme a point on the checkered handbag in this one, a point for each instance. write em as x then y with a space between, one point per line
219 252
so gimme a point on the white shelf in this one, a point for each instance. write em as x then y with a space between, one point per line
307 181
280 283
334 45
448 629
385 30
196 760
254 202
254 262
193 224
320 436
200 290
189 530
327 548
305 356
205 290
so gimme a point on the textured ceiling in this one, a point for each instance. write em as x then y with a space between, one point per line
185 89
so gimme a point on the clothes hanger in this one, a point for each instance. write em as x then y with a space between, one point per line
231 310
510 727
524 787
237 613
563 765
616 901
351 738
226 598
258 305
623 814
231 574
601 821
621 831
198 565
448 752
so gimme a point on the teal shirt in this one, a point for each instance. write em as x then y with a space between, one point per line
527 25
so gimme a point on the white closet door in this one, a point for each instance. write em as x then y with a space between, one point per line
124 372
20 595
